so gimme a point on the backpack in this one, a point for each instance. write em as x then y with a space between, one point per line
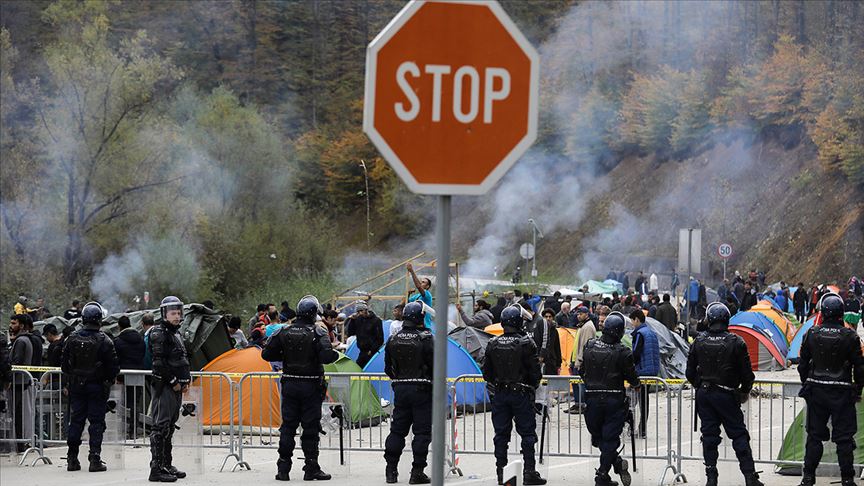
84 359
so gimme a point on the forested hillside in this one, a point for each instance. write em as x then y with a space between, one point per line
215 149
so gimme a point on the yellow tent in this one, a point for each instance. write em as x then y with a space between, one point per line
495 329
785 325
260 395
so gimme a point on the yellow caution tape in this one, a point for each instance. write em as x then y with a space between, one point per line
40 369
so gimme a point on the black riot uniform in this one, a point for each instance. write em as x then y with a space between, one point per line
171 375
719 367
304 348
408 362
606 364
830 357
90 366
511 367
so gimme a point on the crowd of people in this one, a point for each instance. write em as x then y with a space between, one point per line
299 342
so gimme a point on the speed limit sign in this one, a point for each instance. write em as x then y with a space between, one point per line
724 250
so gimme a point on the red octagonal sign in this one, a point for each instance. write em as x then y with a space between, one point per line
451 95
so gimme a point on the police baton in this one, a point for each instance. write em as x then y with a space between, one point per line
543 430
632 422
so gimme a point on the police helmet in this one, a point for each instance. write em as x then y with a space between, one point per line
309 307
717 315
169 303
512 317
413 313
92 313
613 326
831 306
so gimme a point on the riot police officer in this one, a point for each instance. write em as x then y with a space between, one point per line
512 368
830 356
719 367
90 366
171 379
606 364
408 363
304 348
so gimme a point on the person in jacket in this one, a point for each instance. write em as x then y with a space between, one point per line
587 332
749 299
482 315
666 314
366 326
424 293
563 318
130 348
553 302
545 336
497 308
21 354
646 355
54 355
90 366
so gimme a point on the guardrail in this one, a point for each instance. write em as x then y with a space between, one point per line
241 411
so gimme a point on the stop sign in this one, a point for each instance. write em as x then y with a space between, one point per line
451 95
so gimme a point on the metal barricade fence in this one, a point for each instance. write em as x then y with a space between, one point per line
565 433
19 430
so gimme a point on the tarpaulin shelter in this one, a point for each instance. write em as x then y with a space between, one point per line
567 340
764 355
796 437
766 326
203 330
596 287
473 340
459 362
673 350
771 312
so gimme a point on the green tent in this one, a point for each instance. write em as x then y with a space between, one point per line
793 448
362 403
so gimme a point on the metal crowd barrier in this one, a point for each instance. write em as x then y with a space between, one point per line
37 410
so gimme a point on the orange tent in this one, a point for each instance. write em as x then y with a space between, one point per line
495 329
260 395
567 338
785 325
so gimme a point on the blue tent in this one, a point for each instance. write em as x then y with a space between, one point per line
761 322
795 345
459 362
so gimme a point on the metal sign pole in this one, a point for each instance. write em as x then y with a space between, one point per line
439 369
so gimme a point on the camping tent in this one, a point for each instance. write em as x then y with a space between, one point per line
203 330
473 340
260 396
766 326
795 345
793 448
459 362
764 355
777 317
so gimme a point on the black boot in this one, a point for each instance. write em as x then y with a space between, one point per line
620 468
315 474
531 476
603 479
711 475
391 474
752 479
807 480
847 482
176 472
96 464
283 467
500 472
72 463
161 475
418 476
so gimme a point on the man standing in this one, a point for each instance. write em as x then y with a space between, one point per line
562 319
424 292
587 332
54 355
73 312
545 336
369 331
830 359
21 354
130 353
749 299
396 322
408 362
171 378
646 355
303 348
606 365
482 315
90 366
719 368
512 368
